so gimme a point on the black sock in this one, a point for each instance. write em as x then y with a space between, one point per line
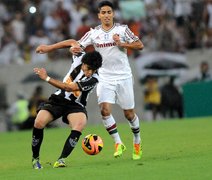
37 138
70 143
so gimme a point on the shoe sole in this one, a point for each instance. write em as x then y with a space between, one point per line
136 158
59 166
38 168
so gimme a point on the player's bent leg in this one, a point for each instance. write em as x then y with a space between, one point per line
77 122
135 127
42 119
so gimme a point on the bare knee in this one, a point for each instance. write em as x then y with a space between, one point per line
79 126
42 119
129 114
105 112
39 124
77 121
105 109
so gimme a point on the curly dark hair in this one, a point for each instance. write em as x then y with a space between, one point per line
93 60
105 3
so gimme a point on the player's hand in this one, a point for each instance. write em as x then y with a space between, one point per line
41 72
117 40
75 50
42 49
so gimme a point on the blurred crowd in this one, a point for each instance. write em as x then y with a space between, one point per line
20 115
166 101
162 25
167 25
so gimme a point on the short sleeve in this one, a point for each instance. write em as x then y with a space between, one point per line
87 84
130 36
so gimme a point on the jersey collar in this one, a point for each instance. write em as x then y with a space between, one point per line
109 29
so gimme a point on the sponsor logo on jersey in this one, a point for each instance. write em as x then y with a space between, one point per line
105 45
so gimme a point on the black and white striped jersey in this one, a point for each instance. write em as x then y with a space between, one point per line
86 84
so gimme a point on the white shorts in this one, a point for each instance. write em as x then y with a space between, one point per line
118 92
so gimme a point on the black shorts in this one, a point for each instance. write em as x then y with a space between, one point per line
61 107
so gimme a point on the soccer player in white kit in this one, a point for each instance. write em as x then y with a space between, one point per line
116 81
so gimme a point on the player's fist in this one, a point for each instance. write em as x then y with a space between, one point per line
116 37
117 40
42 49
75 50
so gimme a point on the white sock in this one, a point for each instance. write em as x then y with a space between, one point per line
111 128
134 125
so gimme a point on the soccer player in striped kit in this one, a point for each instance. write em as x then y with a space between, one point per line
68 102
116 80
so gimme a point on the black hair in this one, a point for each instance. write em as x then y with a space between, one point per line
105 3
38 90
93 60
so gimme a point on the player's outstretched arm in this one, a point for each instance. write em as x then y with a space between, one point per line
41 72
63 44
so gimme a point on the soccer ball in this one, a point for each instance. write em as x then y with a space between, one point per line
92 144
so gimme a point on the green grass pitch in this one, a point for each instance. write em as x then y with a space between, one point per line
172 150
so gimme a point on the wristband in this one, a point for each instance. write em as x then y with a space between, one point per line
47 79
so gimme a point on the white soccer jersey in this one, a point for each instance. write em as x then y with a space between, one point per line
115 64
